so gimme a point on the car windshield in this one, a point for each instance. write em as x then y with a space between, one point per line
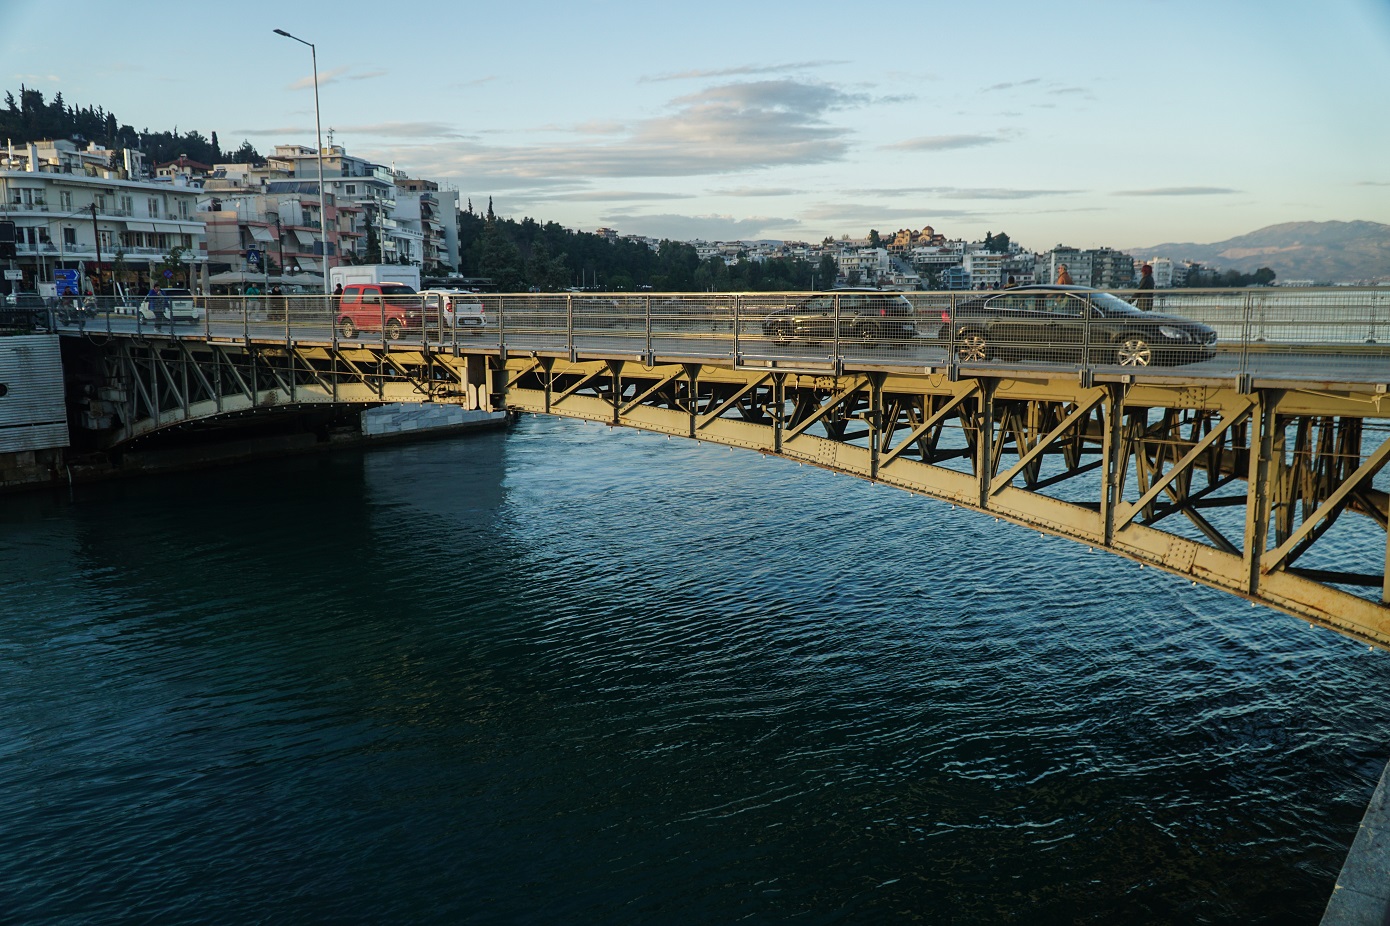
1112 303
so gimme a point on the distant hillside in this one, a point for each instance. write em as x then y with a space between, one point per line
1326 252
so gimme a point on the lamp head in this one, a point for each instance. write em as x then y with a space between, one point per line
284 33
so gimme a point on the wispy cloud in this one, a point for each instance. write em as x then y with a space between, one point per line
951 192
690 227
1179 191
333 75
1373 183
721 129
744 191
38 78
1009 85
616 196
402 130
944 142
747 70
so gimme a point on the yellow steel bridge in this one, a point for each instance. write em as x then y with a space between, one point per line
1250 462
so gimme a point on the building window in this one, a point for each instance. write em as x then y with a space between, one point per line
65 199
183 208
100 201
127 205
152 205
69 237
105 238
186 241
352 189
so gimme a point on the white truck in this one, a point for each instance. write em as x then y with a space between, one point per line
375 273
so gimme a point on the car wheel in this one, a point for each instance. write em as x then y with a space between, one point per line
972 348
1134 351
781 332
346 329
869 335
393 330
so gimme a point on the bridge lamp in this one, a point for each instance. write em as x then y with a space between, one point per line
318 129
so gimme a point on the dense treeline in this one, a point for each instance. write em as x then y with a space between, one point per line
30 118
1202 278
521 255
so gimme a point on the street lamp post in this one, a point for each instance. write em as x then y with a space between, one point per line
318 129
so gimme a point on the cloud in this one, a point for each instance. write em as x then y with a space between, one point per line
401 130
689 227
950 192
1179 191
1011 84
333 75
1373 183
746 70
614 196
944 142
756 191
721 129
38 78
857 215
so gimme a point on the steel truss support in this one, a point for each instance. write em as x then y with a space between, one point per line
1108 464
1111 463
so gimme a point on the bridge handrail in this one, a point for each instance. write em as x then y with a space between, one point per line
1342 326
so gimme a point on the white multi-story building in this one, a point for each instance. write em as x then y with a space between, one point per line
867 266
94 211
985 268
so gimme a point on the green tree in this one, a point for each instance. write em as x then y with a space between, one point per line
874 240
828 272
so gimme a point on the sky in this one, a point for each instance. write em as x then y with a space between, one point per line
1120 123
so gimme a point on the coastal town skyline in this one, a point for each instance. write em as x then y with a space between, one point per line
1098 124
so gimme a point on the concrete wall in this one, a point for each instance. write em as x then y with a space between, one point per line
392 420
32 415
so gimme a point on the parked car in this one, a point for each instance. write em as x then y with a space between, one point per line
181 307
392 308
23 310
1056 323
453 308
867 316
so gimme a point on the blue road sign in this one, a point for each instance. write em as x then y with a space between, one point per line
253 256
66 282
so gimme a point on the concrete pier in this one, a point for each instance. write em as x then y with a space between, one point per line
1362 894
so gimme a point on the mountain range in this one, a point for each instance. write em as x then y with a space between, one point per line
1324 252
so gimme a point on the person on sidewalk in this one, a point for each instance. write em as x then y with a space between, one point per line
1144 299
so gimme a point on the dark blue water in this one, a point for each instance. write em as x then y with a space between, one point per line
568 675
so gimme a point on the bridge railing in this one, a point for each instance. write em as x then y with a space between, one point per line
1302 333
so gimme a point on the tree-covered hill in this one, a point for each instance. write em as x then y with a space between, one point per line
31 118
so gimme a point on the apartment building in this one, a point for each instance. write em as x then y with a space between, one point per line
94 211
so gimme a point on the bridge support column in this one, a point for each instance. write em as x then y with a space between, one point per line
779 408
984 441
692 378
1112 460
874 418
1264 424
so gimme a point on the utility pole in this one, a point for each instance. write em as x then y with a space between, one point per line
96 237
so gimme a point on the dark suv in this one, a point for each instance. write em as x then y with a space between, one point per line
1057 324
868 317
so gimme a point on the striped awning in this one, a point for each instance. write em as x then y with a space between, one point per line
260 234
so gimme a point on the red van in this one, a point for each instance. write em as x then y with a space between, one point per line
392 307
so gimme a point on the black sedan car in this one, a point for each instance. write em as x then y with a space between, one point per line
1057 324
869 318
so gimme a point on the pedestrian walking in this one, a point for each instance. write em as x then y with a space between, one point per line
1144 298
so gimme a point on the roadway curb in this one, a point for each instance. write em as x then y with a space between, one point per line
1362 894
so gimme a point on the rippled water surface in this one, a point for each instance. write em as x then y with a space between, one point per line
568 675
